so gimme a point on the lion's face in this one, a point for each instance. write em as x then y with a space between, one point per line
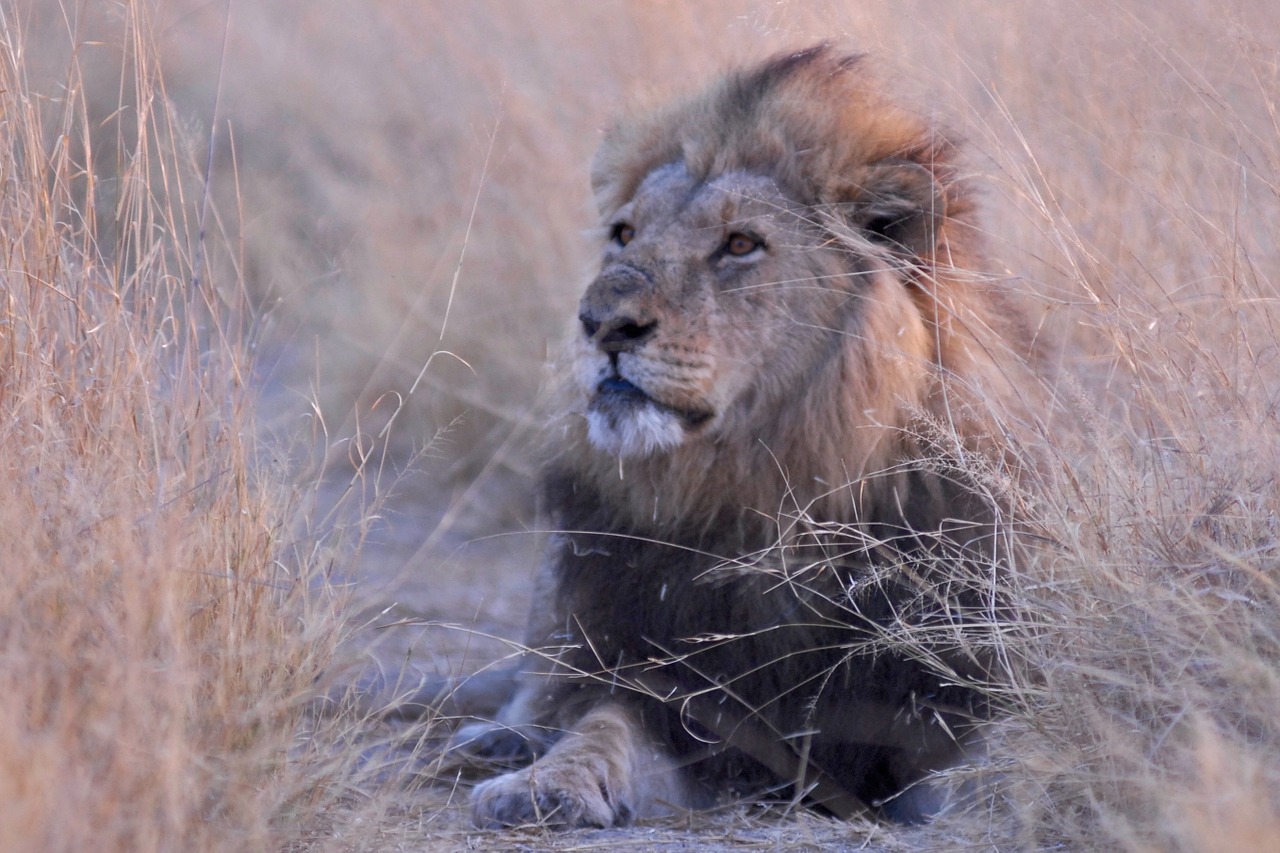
715 300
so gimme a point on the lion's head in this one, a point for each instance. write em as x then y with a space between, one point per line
787 281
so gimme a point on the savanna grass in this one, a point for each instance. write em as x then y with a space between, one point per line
160 626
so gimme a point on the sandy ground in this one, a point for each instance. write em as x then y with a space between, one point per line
441 596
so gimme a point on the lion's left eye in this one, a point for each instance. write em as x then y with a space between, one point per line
740 244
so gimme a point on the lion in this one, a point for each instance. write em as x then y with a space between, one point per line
762 477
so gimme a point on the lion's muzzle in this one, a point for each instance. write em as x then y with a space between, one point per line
619 311
634 381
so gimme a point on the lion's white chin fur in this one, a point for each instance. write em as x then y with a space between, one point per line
640 431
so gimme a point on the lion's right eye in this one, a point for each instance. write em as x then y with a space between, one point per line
622 233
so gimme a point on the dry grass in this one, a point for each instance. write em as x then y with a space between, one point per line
157 643
161 626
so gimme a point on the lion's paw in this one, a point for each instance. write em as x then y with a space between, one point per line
572 795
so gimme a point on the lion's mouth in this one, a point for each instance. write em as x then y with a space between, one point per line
616 385
619 396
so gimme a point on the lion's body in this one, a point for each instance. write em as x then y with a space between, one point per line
759 476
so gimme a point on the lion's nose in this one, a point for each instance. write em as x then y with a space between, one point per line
617 334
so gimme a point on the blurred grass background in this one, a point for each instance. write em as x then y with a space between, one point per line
394 242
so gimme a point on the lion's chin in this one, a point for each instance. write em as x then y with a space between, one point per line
647 431
624 422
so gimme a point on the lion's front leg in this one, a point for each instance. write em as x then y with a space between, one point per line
607 772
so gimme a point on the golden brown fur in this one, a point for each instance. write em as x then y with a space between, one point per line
784 373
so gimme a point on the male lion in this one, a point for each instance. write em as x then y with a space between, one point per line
770 536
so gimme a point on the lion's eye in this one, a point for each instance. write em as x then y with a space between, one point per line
742 244
622 233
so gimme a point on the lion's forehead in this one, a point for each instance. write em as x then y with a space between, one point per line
670 194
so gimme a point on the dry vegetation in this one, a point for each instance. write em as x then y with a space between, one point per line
161 628
399 163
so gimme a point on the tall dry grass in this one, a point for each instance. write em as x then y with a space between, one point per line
1151 628
406 162
160 625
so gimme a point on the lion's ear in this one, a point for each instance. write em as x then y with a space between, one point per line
902 205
